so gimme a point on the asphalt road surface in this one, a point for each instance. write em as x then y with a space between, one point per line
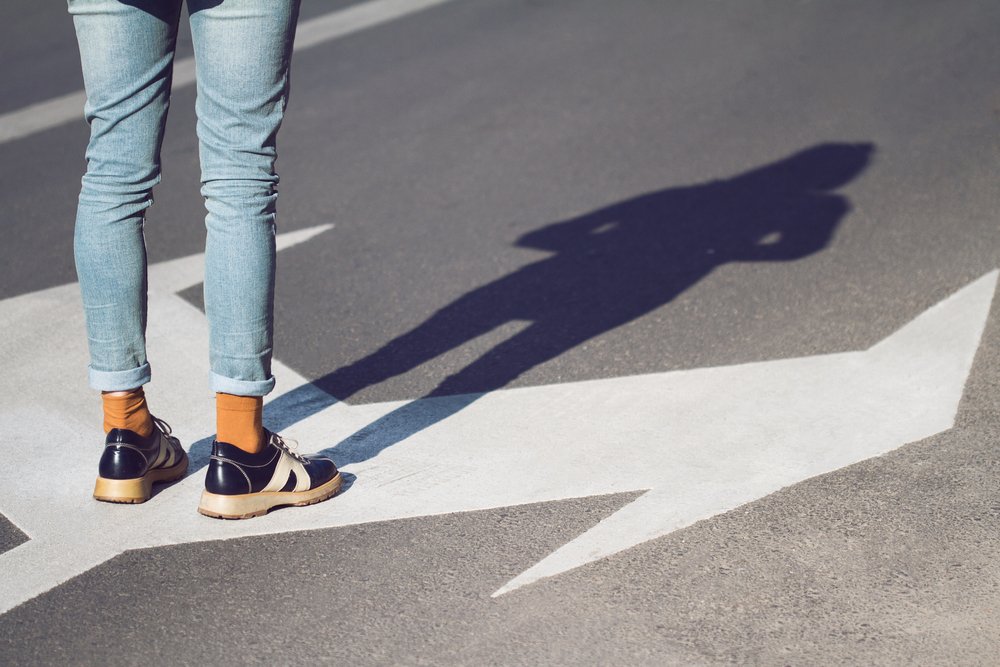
532 203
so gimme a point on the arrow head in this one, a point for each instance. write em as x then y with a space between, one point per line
836 410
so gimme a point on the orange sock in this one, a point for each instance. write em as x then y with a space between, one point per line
127 410
238 421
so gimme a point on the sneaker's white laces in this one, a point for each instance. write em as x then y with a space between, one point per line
162 425
289 446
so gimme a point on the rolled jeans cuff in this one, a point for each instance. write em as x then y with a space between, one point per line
221 383
119 380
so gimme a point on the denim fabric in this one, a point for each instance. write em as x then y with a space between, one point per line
242 55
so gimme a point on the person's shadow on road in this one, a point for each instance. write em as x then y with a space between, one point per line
608 267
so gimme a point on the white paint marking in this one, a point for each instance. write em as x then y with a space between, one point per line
699 442
42 116
357 18
66 108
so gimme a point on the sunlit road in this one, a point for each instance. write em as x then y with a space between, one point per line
518 207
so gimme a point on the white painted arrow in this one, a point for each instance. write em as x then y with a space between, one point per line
698 442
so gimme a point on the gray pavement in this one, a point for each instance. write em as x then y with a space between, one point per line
444 147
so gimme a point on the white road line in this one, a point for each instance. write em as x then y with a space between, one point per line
57 111
698 442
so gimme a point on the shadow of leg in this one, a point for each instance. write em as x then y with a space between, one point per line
442 332
396 426
296 405
500 366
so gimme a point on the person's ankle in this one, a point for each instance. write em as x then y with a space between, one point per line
238 421
127 410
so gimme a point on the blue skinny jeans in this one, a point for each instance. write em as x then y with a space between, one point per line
242 53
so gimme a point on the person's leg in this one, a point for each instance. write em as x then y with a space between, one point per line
242 53
243 50
127 56
126 52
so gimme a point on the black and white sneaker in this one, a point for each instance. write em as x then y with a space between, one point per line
131 464
241 485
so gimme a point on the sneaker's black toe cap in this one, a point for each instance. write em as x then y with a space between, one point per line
321 470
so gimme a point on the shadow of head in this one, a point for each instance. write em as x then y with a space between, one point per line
821 168
790 205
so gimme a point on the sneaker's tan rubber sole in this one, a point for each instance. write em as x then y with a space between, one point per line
140 489
248 505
